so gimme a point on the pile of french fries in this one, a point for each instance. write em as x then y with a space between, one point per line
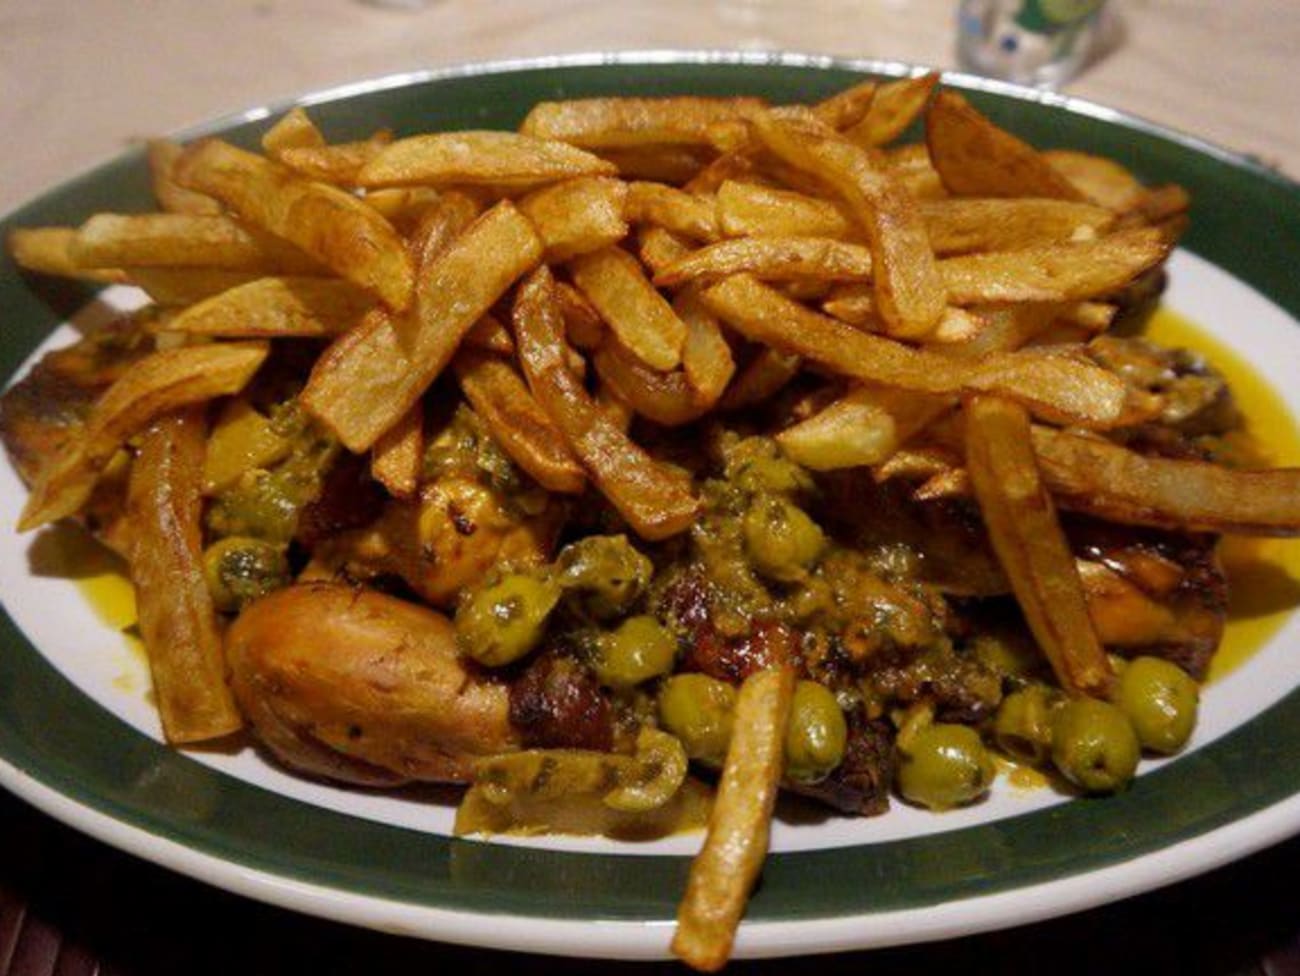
665 259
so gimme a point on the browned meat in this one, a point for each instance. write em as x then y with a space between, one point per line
557 704
861 783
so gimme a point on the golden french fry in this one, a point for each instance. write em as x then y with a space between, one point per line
663 164
271 308
1054 272
1103 181
908 288
473 158
619 123
517 422
403 206
963 224
583 326
1101 478
910 166
336 228
863 427
1055 387
821 259
48 250
665 398
489 335
847 107
655 500
706 358
685 214
754 210
577 216
1030 543
184 241
764 375
293 130
339 163
159 383
731 857
171 196
644 322
398 456
363 383
976 158
660 248
896 106
177 618
176 287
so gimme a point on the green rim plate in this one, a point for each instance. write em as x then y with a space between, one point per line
82 764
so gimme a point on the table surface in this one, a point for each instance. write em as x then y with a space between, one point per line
83 79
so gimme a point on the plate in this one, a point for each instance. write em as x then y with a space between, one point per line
79 739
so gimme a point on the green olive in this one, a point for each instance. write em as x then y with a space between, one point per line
1022 727
239 569
1160 699
1094 745
782 541
815 734
698 710
604 575
505 620
943 766
640 649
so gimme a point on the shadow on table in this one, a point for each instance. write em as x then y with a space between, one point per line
73 907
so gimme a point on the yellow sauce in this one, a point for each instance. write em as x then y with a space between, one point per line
1263 574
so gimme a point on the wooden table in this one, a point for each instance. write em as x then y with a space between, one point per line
83 79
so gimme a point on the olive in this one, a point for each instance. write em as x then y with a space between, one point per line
1094 745
505 620
782 541
640 649
1160 699
239 569
815 734
698 710
1022 727
944 765
604 575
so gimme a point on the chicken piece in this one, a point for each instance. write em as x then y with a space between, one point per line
353 685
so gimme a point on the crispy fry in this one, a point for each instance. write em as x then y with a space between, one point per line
863 427
976 158
765 374
577 216
398 455
772 259
292 130
641 318
909 291
685 214
961 225
178 287
583 326
1100 478
1030 544
184 241
270 308
660 248
655 500
334 227
373 374
754 210
489 335
896 106
847 107
663 164
1103 181
403 206
731 857
706 357
910 166
340 163
1055 387
48 250
480 158
171 196
618 123
517 422
177 619
665 398
157 384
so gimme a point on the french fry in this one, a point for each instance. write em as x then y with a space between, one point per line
340 163
976 158
583 326
577 216
754 210
517 422
910 166
666 398
184 241
157 384
489 335
620 123
48 250
1055 387
909 291
403 206
271 308
177 619
644 322
729 861
1031 545
685 214
1096 178
847 107
663 164
763 376
363 383
706 357
1054 272
655 500
659 248
479 158
897 105
398 455
333 226
821 259
863 427
961 225
1100 478
176 287
171 196
293 130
